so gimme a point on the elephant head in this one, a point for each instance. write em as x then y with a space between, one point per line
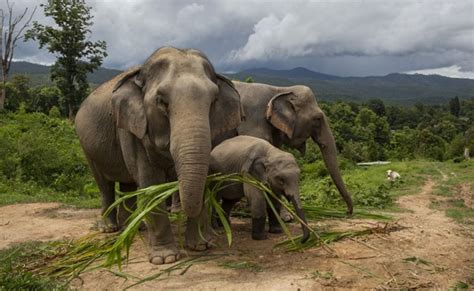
281 172
297 116
177 103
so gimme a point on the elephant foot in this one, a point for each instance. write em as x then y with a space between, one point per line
259 236
258 228
198 244
165 254
285 215
108 227
349 211
275 229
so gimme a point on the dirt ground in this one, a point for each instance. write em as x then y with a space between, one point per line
427 250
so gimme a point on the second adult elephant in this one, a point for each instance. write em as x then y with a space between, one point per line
289 116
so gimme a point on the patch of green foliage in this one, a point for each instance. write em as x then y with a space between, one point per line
372 131
458 211
451 178
17 262
42 161
369 186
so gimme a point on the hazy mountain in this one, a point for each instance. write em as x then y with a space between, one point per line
298 72
39 74
393 88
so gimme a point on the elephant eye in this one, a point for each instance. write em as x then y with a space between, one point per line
161 100
280 180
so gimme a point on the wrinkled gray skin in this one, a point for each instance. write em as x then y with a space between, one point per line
289 116
257 157
156 119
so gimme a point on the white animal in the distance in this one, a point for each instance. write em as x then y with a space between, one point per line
392 175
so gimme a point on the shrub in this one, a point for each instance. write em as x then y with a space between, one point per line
43 150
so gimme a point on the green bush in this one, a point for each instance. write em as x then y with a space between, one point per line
318 189
378 197
39 151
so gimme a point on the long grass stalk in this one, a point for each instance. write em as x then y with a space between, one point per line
317 212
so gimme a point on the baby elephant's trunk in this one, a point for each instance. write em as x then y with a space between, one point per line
299 211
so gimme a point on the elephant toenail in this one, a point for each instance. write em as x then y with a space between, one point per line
156 261
171 259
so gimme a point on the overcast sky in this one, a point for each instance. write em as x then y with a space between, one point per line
346 38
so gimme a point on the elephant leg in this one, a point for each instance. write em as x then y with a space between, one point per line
163 248
107 188
175 203
198 233
258 211
274 225
129 205
227 205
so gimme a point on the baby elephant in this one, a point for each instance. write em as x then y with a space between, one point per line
278 169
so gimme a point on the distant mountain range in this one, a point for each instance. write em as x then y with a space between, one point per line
39 74
393 88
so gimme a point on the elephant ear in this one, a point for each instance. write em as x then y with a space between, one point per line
281 113
255 166
127 104
226 112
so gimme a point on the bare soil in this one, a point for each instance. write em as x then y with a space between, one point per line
427 250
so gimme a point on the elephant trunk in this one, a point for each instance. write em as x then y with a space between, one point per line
299 212
327 144
190 146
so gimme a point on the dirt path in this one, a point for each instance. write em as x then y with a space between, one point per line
44 222
427 251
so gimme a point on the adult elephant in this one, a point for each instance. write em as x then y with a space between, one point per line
289 116
152 120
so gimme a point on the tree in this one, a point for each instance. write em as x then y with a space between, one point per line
455 106
44 99
20 93
10 33
377 106
76 55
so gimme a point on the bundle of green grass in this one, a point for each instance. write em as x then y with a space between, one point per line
94 252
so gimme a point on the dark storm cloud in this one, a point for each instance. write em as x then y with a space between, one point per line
338 37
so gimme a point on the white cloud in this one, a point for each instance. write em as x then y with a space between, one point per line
451 71
368 28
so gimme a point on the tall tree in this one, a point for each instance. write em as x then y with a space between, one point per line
11 30
76 55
